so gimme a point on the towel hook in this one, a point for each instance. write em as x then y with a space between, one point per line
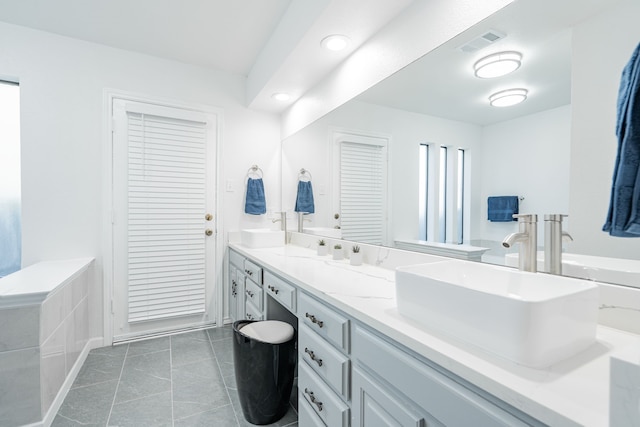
255 170
303 173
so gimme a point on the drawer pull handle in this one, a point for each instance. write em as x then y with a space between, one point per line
312 356
249 272
250 294
313 399
250 317
273 289
314 319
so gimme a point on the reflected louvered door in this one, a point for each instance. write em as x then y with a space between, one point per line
162 266
363 190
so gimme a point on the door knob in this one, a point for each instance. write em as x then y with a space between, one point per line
208 232
208 217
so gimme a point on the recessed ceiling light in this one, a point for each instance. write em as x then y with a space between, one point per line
281 96
507 98
335 42
497 65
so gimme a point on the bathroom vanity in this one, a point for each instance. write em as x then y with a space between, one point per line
363 363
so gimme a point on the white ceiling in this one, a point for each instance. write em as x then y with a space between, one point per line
275 43
442 83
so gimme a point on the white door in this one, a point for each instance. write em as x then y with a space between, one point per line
164 233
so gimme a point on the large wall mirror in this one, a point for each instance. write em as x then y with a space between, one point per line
415 158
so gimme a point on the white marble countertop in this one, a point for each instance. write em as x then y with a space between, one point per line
32 284
574 392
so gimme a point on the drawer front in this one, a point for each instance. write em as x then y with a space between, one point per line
325 321
443 398
253 271
253 293
280 290
252 312
323 358
236 259
307 416
324 402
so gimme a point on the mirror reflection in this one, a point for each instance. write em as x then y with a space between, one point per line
413 162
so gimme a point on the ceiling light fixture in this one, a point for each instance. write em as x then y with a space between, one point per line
497 65
335 42
509 97
281 96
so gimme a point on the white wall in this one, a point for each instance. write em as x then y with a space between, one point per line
62 82
526 157
601 48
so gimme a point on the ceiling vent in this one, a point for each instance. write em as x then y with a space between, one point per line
482 41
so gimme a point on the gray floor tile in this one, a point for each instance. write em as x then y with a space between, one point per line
191 347
149 411
144 375
197 371
88 405
101 366
223 350
217 334
223 417
196 397
149 346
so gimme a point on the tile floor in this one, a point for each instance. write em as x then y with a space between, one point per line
181 380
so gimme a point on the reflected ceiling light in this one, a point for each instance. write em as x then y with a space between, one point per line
509 97
498 64
335 42
281 96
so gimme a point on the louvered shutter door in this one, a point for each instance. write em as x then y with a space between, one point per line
166 209
362 192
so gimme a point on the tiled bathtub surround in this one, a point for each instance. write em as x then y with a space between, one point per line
43 331
181 380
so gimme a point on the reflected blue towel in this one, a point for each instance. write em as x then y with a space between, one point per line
502 208
255 203
304 199
623 218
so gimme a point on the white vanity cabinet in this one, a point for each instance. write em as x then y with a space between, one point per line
245 288
236 286
393 387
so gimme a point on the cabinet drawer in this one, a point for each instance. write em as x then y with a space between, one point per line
280 290
325 403
252 312
253 271
307 416
253 293
325 321
323 358
443 398
236 259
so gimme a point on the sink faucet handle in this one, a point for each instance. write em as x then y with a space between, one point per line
529 218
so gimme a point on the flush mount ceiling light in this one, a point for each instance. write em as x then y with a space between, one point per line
497 65
335 42
281 96
509 97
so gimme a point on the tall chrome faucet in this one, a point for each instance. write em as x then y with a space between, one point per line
282 220
527 236
553 237
301 220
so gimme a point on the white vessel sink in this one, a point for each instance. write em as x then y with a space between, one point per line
262 238
600 269
532 319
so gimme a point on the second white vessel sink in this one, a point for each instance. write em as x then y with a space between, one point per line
262 238
531 319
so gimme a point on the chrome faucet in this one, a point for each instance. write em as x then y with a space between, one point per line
553 237
527 236
282 220
301 220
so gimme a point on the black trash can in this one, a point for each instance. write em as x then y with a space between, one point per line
264 355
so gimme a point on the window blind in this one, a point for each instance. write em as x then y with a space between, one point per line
362 192
166 209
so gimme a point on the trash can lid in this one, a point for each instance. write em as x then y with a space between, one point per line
270 331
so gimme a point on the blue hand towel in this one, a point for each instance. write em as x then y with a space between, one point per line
502 208
623 218
304 199
255 203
